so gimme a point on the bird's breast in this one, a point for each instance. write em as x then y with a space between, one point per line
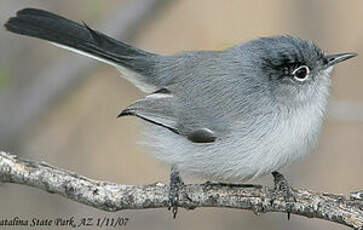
293 134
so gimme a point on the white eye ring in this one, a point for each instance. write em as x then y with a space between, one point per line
301 73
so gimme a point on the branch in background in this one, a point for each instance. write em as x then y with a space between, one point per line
348 111
122 23
113 197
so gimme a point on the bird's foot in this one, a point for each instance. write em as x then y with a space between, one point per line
281 185
176 186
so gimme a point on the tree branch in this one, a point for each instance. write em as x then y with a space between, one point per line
113 197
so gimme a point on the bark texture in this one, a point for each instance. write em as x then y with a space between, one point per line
113 197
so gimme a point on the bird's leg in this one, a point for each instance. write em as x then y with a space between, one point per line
176 186
281 185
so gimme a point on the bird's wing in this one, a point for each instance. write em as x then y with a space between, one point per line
161 108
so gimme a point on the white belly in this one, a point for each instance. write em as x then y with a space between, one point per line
240 156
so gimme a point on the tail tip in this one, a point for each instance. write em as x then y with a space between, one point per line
8 24
31 12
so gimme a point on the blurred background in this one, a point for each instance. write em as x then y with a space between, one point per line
60 107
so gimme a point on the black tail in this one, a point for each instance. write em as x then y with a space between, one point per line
48 26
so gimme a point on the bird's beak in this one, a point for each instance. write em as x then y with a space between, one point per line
337 58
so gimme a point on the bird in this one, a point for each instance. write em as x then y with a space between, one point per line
229 115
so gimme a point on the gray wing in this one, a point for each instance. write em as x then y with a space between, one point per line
161 108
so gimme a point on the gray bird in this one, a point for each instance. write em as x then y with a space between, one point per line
227 116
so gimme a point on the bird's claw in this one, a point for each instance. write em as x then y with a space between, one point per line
282 186
176 186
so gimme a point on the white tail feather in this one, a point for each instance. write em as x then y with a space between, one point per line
132 76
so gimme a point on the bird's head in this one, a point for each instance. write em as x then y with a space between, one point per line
295 71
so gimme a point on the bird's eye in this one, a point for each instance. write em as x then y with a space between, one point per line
301 73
